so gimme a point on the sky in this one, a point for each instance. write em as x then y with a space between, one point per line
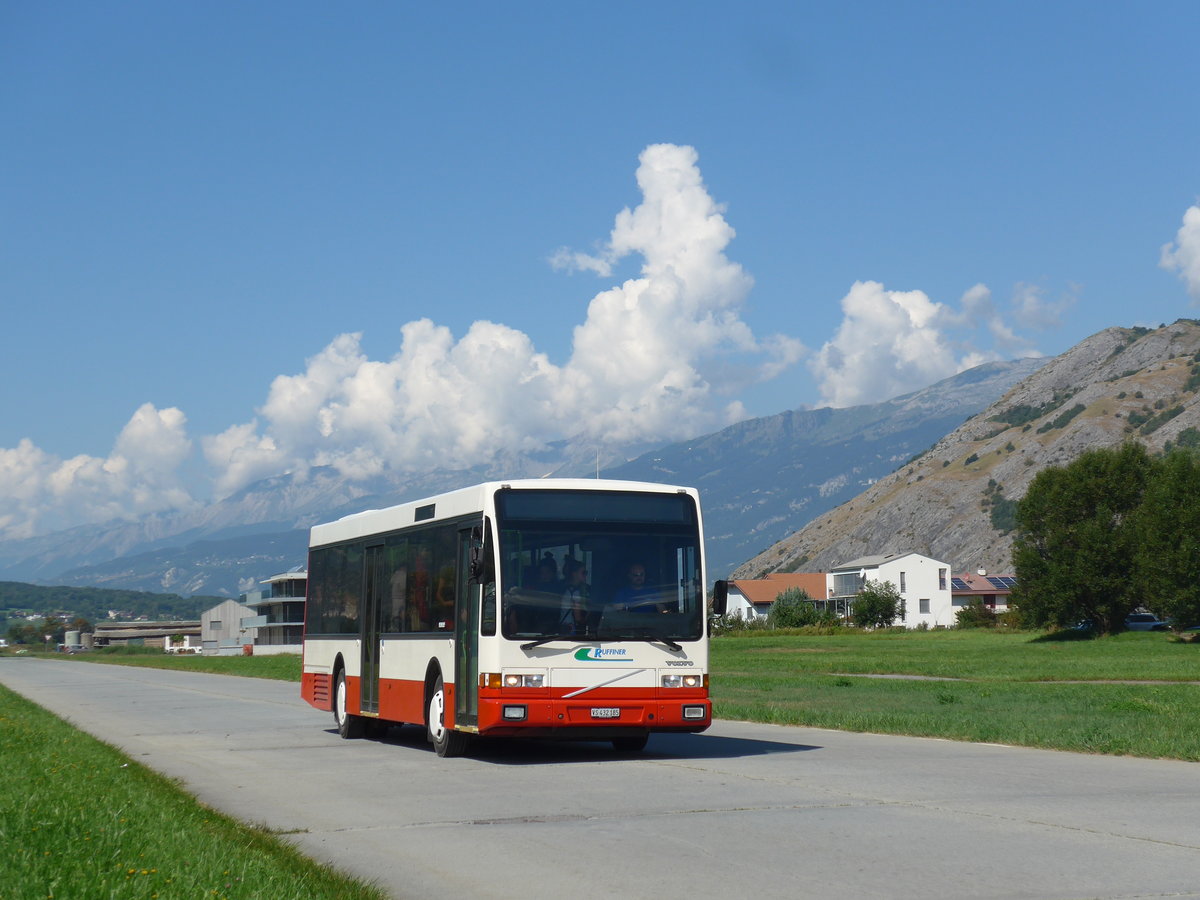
238 240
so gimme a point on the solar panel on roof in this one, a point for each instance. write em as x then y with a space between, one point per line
957 584
1002 582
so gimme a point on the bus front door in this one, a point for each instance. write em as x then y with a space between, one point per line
372 610
466 638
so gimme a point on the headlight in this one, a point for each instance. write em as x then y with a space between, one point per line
675 680
514 680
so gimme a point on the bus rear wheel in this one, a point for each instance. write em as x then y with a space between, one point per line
348 726
446 741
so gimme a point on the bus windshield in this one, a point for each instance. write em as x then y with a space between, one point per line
597 565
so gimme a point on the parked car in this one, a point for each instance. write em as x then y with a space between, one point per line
1145 622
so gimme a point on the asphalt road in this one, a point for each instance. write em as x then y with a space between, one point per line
741 811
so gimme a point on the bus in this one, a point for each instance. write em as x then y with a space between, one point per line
553 608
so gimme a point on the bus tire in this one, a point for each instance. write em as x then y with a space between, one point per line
635 744
348 726
446 741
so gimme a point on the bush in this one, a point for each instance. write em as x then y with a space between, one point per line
733 623
792 609
1010 618
877 605
976 615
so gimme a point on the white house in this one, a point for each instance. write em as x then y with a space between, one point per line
923 583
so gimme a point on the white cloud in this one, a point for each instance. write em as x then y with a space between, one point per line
1032 310
40 492
893 342
888 343
1183 255
645 363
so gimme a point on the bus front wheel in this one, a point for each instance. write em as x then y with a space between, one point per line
348 726
446 741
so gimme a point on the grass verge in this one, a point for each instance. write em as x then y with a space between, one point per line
281 667
79 819
1008 688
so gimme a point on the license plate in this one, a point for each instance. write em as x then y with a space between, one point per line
605 712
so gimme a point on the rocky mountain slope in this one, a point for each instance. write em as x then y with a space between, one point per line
954 502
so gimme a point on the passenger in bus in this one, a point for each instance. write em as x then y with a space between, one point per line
637 596
574 608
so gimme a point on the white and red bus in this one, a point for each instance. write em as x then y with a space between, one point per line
557 608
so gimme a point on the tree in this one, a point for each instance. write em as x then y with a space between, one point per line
793 608
1168 563
877 605
1077 538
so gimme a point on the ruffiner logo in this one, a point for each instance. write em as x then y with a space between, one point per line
607 654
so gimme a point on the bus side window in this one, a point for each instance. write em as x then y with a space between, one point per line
397 589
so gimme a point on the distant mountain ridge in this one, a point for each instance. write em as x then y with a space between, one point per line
760 480
951 502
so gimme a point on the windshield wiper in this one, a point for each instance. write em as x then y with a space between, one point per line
652 638
648 635
553 637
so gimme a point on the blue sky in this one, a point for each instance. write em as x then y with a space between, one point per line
196 199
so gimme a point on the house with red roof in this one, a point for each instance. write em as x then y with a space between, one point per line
992 590
752 598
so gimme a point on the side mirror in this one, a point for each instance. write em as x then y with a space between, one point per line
479 561
476 565
720 598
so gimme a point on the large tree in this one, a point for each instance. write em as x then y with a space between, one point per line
1077 540
1169 540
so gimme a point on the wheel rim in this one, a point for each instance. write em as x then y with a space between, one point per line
436 707
340 704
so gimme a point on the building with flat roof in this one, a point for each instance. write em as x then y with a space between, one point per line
143 634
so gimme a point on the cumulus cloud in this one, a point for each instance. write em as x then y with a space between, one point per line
888 343
1183 254
893 342
653 359
656 357
40 492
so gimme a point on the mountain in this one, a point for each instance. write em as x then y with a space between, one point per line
760 480
227 547
955 502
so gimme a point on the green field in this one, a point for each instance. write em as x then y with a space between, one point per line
80 819
973 686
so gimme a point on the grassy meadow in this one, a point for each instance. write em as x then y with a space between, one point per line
1010 688
80 819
